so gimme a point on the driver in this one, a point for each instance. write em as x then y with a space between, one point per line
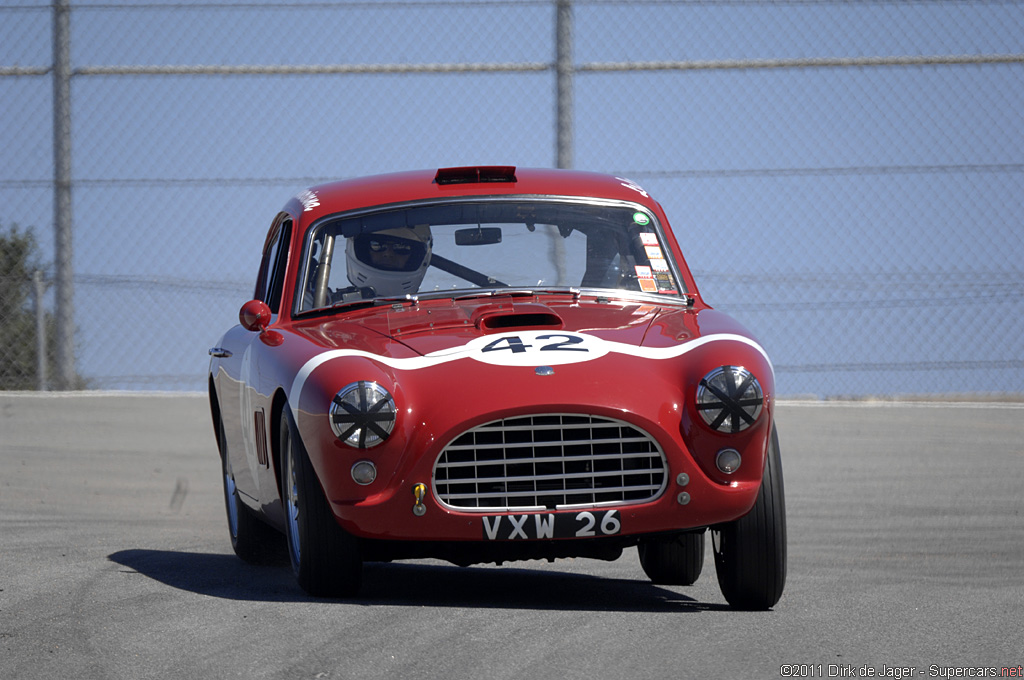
391 262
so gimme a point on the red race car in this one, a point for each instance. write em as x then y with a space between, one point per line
488 364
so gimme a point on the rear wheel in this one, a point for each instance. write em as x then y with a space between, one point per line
251 539
750 552
325 558
677 561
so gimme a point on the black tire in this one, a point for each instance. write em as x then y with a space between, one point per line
677 561
750 552
251 539
325 558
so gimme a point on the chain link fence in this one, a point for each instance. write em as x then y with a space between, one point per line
847 179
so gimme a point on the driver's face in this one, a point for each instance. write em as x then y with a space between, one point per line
390 253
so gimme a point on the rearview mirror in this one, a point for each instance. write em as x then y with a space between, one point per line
478 236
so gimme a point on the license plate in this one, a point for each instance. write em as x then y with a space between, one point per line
586 524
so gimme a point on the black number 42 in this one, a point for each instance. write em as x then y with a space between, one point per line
515 344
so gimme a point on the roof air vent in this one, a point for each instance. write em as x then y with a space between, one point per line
474 175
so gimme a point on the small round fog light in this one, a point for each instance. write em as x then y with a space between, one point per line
364 472
728 460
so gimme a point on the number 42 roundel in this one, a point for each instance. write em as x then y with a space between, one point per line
536 348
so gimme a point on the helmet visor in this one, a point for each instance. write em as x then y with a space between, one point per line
390 253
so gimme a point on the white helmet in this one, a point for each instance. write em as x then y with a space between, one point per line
391 261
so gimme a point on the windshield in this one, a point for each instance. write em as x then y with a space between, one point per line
470 246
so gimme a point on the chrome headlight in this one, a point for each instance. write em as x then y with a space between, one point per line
362 414
729 399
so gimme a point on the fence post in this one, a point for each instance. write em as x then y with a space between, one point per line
564 82
38 289
64 303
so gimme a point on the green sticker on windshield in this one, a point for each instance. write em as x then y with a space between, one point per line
641 218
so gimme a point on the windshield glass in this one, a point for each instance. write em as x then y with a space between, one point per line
466 247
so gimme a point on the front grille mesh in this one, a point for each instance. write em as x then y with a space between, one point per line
549 461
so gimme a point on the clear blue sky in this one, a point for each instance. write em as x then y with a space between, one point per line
848 216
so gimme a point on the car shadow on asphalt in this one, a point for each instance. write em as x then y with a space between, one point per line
411 584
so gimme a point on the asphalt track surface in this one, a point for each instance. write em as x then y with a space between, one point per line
906 558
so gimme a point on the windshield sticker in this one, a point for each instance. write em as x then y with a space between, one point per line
643 272
641 218
648 285
659 265
648 238
654 252
309 200
664 282
630 184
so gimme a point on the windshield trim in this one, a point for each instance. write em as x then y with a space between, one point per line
576 292
682 297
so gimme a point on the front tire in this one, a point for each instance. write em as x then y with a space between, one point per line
674 562
325 558
251 539
750 552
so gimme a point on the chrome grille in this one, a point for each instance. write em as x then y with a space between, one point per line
549 461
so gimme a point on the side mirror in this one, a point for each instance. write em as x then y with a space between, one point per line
254 316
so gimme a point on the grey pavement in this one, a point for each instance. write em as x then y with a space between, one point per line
906 546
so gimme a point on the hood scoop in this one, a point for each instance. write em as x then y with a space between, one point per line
518 317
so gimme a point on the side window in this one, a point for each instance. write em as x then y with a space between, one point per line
275 257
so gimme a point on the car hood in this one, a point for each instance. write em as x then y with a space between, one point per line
450 364
437 327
